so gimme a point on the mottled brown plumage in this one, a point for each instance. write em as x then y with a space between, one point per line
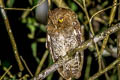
64 34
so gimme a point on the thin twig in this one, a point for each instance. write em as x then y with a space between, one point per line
6 72
26 66
104 70
14 46
102 11
91 29
88 67
30 9
41 62
79 5
106 74
95 39
52 68
113 11
87 15
118 43
112 15
23 9
63 4
24 77
85 45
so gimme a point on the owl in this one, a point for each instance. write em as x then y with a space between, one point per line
64 34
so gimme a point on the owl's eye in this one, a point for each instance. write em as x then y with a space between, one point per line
60 20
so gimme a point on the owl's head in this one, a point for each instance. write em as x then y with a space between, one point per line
62 16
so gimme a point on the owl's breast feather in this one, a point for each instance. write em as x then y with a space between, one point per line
62 43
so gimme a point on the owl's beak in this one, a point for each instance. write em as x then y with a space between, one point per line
41 12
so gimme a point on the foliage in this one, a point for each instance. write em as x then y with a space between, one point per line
30 37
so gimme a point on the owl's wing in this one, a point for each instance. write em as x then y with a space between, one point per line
80 38
80 33
48 43
49 46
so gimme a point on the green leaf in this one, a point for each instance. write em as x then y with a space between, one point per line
74 6
43 28
80 16
34 51
32 30
10 3
34 48
35 2
31 2
41 40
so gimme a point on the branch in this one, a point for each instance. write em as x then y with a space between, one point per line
95 39
85 45
52 68
104 70
118 43
5 72
8 28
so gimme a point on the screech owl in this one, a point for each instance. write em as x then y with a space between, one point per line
64 34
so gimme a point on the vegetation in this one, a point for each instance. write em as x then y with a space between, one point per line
23 54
